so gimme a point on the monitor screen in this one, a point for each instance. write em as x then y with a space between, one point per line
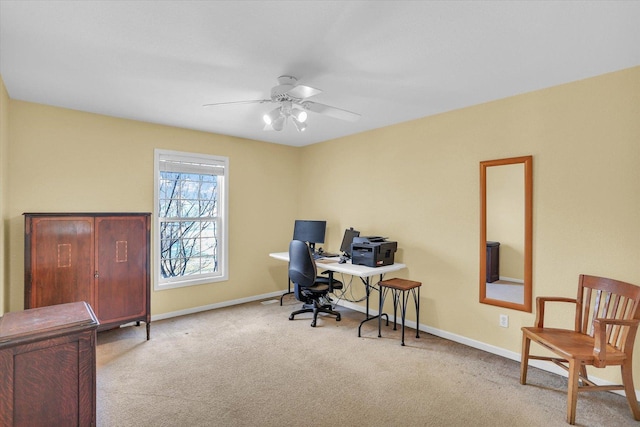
308 231
349 234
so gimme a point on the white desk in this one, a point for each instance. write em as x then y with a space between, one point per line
363 272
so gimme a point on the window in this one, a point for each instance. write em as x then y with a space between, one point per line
191 219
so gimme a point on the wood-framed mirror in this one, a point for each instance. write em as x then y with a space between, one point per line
506 229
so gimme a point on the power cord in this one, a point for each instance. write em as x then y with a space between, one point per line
346 293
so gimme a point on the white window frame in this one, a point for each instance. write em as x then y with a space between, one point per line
193 162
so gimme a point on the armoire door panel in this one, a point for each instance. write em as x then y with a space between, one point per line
122 267
62 261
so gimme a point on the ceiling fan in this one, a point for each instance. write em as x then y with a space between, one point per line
292 102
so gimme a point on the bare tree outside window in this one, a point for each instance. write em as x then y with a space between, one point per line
191 227
188 206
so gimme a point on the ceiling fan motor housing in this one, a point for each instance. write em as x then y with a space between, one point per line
278 94
285 84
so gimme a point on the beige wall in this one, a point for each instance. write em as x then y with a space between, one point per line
415 182
418 183
63 160
4 168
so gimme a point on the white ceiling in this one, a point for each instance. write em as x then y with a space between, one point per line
390 61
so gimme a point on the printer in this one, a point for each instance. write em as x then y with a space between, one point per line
372 251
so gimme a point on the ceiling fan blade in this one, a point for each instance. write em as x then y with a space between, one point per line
336 113
253 101
302 91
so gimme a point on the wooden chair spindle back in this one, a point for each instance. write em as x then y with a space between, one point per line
609 299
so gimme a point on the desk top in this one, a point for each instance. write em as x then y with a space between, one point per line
346 268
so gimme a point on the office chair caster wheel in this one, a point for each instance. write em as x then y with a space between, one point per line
338 318
313 324
291 317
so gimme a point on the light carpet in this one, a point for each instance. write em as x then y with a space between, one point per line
248 365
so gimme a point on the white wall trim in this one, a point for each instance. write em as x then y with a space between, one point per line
540 364
549 367
230 303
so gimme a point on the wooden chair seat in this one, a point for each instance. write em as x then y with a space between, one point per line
607 314
572 345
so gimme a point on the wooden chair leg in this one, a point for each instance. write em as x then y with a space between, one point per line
629 389
524 360
572 397
583 371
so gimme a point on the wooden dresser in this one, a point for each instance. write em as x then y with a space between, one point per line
48 366
100 258
493 261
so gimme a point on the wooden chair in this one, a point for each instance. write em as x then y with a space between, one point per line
606 321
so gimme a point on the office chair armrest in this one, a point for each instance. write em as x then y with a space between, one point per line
600 340
540 304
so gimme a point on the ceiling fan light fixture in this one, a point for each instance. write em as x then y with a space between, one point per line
299 115
272 116
278 123
300 126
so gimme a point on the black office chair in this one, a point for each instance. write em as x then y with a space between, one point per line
309 288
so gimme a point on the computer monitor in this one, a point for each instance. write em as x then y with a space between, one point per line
310 231
347 240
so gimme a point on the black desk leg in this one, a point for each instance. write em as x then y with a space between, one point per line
368 287
288 291
416 300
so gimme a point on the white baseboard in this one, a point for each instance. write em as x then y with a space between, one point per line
549 367
511 279
193 310
540 364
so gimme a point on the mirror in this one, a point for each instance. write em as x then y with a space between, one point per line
506 199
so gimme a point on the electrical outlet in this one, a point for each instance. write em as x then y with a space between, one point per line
504 320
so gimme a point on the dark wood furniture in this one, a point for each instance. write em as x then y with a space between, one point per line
400 290
493 261
100 258
607 314
48 366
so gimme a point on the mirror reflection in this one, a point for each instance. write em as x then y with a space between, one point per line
505 229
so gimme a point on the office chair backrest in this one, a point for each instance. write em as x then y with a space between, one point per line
302 269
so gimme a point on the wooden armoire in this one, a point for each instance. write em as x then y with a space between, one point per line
100 258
